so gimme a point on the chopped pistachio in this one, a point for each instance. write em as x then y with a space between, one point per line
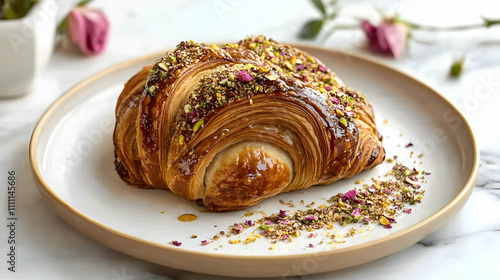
343 121
288 65
197 125
383 221
262 69
271 77
163 66
215 47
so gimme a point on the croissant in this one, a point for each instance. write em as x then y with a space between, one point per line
229 126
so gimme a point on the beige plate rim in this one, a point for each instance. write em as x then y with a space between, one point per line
422 228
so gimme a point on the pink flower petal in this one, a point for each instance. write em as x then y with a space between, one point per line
371 34
388 37
89 30
395 38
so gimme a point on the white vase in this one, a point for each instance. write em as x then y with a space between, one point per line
26 45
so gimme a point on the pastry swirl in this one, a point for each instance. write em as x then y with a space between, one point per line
232 125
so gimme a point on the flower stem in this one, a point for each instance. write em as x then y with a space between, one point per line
486 23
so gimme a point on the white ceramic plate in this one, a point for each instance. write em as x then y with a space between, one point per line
72 157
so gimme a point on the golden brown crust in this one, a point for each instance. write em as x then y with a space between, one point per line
245 174
199 100
126 160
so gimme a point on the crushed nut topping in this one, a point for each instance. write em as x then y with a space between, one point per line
377 203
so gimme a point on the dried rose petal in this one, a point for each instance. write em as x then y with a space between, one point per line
328 88
244 76
322 69
205 242
350 113
392 220
356 212
250 222
309 218
409 145
350 194
283 213
176 243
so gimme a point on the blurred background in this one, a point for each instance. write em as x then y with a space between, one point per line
138 28
453 46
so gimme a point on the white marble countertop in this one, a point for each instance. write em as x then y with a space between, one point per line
465 248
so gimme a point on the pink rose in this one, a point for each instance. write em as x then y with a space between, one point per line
388 37
89 29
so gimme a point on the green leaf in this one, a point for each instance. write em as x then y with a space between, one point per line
14 9
10 14
83 3
62 28
320 6
2 13
311 29
489 22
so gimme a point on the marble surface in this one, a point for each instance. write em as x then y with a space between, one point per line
465 248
